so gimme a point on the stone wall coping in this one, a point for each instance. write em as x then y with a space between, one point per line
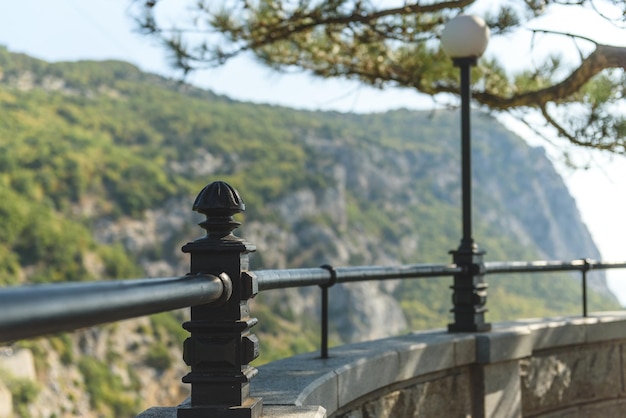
564 331
355 370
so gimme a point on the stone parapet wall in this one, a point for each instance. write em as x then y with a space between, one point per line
549 368
427 397
572 381
559 367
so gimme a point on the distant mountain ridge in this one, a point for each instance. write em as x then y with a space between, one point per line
100 163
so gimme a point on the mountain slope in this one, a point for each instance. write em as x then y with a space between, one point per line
100 163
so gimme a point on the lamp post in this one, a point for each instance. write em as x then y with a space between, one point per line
464 39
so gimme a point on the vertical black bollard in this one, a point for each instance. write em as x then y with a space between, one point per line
221 346
324 308
586 267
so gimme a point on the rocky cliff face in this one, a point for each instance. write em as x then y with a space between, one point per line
321 188
311 227
115 370
518 194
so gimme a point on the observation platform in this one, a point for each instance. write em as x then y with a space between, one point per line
559 367
549 368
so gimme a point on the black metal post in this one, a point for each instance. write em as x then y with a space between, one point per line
221 346
324 336
467 241
586 268
470 290
324 308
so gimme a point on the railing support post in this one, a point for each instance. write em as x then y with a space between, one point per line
324 328
586 267
221 345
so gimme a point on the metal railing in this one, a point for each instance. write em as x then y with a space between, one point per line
323 276
33 311
327 276
541 266
220 346
37 310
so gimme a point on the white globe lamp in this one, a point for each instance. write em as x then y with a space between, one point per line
465 36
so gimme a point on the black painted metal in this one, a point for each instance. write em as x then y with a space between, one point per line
32 311
492 267
327 276
584 287
532 266
469 289
324 326
324 308
465 64
365 273
221 346
606 265
583 265
286 278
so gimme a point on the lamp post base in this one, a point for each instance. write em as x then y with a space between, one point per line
469 291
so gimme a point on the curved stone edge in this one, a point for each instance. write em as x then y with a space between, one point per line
356 370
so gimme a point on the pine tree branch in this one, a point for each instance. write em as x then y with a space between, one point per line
604 57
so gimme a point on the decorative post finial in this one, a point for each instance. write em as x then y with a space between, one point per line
221 345
219 201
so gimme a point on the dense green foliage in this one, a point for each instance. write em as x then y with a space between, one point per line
574 90
109 394
23 391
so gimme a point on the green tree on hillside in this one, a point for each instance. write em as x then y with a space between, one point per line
395 43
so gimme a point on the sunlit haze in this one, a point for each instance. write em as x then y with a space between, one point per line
68 30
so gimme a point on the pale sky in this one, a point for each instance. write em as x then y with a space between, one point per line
68 30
